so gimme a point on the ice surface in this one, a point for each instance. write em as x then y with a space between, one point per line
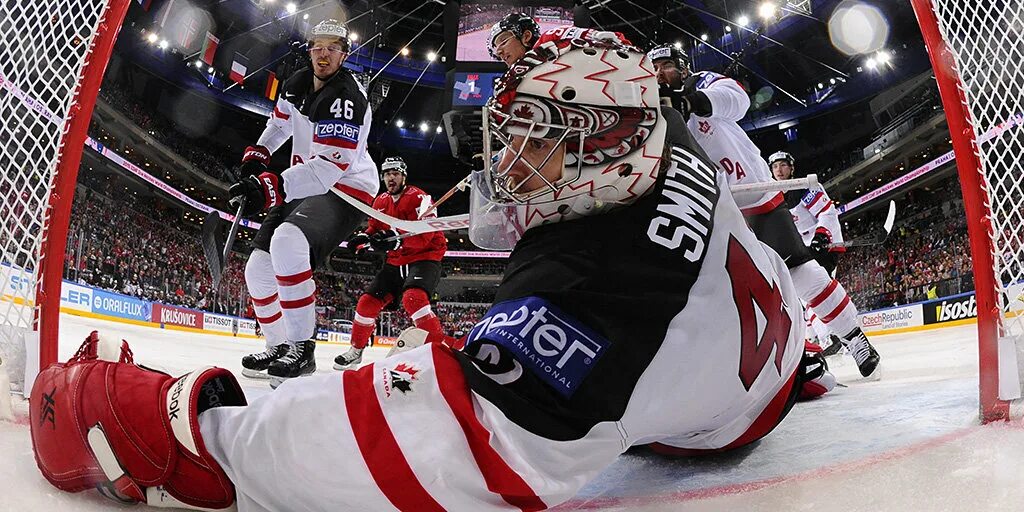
909 441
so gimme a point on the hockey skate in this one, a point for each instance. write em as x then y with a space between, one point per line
255 366
299 361
834 347
860 348
349 359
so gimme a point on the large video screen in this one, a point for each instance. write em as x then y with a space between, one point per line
476 18
471 89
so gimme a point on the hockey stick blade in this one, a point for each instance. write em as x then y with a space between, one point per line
876 239
213 244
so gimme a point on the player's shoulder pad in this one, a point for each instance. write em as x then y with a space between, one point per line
295 87
342 96
704 79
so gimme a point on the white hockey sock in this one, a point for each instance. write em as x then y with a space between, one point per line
259 279
826 297
290 251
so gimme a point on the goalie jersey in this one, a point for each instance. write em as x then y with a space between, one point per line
329 129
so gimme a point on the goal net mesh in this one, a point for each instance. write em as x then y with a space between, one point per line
43 48
986 45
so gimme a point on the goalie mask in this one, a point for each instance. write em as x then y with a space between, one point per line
577 131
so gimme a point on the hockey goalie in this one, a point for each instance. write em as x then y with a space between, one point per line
637 307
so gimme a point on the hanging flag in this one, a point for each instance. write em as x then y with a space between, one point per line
145 4
166 13
187 32
271 91
238 68
210 48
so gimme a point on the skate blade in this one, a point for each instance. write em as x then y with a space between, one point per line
276 381
343 367
255 374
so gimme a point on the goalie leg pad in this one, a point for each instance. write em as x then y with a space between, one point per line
129 431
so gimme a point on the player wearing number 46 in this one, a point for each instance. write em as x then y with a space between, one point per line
637 307
713 106
325 113
412 269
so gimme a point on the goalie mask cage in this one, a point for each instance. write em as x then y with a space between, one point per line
52 59
977 57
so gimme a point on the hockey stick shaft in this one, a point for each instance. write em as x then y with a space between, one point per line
460 186
877 238
233 232
416 227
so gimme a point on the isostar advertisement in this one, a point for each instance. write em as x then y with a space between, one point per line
121 306
173 315
950 309
892 318
219 323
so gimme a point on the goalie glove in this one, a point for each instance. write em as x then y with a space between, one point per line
385 240
130 432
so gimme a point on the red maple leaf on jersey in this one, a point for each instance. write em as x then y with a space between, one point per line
405 368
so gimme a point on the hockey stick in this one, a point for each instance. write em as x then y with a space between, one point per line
459 187
416 227
877 238
216 248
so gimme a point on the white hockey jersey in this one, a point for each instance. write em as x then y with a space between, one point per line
814 213
329 130
728 145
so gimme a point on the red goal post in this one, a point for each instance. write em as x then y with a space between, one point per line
52 59
978 63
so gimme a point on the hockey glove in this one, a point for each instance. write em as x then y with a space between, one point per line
254 161
385 240
822 239
130 432
261 192
358 242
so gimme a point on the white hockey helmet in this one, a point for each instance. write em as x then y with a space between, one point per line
394 163
781 155
331 28
596 96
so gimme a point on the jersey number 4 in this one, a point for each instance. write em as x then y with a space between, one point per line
338 110
751 292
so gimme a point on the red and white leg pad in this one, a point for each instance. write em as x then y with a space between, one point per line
128 431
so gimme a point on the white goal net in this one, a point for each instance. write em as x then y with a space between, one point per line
52 55
977 52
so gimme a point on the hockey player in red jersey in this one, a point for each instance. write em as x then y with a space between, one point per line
412 269
713 105
325 113
637 307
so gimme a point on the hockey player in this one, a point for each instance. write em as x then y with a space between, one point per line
713 106
412 269
637 307
325 113
817 220
512 36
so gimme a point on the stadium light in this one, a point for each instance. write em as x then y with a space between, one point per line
678 45
743 20
404 52
424 126
832 81
210 69
438 130
269 1
399 123
703 37
353 37
291 7
152 38
163 44
871 63
431 56
767 10
883 57
728 28
305 16
821 85
199 64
